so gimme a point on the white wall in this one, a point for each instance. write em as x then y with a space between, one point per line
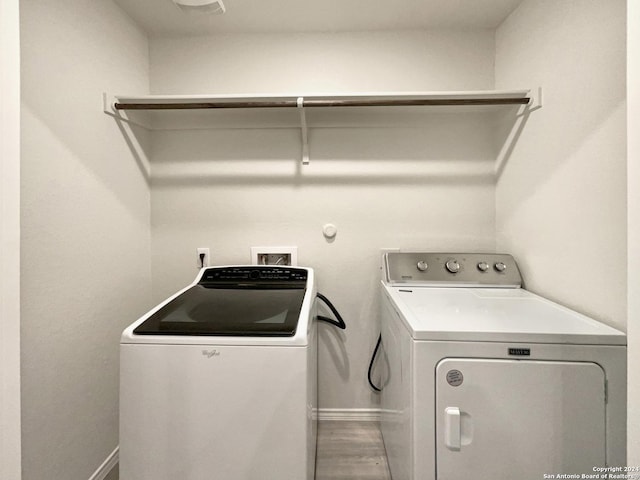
561 197
426 183
85 231
10 456
633 287
339 62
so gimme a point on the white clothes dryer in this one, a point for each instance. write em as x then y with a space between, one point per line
220 380
491 382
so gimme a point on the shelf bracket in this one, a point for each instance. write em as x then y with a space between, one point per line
536 99
107 104
303 131
108 107
126 126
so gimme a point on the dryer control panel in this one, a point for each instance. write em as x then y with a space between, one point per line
451 269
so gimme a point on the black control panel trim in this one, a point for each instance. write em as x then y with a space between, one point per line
255 277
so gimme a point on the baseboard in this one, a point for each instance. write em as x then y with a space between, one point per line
106 467
349 414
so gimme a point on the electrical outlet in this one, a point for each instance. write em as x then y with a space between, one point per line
274 256
202 257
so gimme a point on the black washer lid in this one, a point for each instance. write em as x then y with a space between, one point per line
234 301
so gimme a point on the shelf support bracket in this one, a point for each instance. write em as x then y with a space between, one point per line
126 126
108 107
536 99
303 131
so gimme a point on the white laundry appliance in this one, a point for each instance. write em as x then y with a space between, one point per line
220 380
487 381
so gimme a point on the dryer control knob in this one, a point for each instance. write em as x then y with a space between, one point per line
500 267
422 266
483 266
453 266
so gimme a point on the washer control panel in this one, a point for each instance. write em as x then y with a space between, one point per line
452 269
252 275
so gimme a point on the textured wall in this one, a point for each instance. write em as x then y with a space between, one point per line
85 231
334 63
561 195
9 239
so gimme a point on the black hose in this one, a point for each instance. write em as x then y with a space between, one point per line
373 357
339 322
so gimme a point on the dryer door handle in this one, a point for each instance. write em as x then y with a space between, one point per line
452 426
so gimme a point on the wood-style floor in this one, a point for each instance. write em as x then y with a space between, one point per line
350 451
346 451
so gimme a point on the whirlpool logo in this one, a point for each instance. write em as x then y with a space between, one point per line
211 353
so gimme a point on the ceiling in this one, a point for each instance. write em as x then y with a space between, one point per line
163 17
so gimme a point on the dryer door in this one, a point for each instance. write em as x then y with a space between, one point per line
518 419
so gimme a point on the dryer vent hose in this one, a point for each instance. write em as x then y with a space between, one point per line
337 323
373 358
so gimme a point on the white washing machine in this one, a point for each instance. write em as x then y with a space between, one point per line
220 380
491 382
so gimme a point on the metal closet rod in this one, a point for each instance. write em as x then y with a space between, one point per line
324 103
